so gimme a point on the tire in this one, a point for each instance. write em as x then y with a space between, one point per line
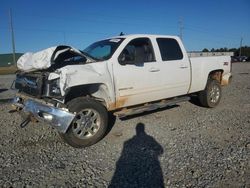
210 97
89 125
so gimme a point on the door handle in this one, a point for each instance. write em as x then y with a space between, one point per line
183 66
154 69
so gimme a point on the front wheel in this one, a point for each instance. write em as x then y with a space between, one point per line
89 125
210 97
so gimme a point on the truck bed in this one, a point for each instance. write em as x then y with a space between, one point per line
208 54
202 65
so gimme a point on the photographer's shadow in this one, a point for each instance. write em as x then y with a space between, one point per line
139 165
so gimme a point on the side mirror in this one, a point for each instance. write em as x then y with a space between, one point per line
126 58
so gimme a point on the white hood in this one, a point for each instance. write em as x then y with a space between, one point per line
44 58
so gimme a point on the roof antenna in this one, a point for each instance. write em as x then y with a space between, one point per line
121 34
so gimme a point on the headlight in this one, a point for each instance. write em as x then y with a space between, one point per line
53 88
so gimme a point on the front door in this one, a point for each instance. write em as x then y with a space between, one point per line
137 74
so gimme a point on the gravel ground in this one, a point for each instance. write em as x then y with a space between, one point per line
5 84
183 146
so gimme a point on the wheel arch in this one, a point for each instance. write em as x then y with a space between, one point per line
98 91
215 75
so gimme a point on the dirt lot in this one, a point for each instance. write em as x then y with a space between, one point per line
183 146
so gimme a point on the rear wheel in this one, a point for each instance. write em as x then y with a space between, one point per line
89 125
210 97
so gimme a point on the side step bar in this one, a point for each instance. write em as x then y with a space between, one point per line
150 106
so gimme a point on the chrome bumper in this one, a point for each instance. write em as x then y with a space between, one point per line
56 117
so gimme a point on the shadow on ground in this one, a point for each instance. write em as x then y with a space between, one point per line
139 165
5 101
3 90
195 101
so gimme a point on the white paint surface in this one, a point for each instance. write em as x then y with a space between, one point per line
138 84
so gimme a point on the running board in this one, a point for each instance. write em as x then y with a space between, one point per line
150 106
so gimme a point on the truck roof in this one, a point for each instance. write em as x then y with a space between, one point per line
144 35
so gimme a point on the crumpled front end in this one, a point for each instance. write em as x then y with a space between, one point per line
58 118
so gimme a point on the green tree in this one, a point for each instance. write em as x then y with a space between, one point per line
245 51
205 50
225 49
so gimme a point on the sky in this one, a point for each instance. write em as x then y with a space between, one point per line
42 23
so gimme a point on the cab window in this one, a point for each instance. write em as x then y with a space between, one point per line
170 49
137 51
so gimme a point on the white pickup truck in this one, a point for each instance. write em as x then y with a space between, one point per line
74 91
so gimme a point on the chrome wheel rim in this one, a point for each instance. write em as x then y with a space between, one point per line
214 94
86 123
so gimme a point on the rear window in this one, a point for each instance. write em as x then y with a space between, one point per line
170 49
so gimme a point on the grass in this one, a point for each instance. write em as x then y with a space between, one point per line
8 70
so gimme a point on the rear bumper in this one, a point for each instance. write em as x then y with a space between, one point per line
56 117
226 79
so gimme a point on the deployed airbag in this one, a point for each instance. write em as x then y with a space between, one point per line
33 61
44 58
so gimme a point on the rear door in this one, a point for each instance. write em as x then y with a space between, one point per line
174 67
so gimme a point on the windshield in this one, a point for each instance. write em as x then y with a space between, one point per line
103 50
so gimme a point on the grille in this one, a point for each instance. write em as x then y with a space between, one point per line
31 84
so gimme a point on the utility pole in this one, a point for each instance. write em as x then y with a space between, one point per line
181 28
12 37
241 39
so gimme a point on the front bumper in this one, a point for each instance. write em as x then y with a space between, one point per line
57 117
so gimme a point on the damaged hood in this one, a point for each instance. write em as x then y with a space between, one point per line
45 58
